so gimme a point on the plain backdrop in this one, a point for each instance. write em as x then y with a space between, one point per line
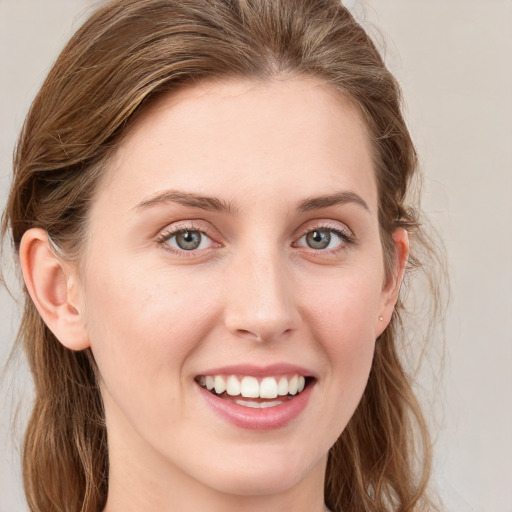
454 61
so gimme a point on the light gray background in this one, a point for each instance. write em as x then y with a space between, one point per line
454 60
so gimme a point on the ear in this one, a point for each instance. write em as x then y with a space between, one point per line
52 285
391 289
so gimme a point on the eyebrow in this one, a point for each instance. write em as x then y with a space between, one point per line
188 199
340 198
219 205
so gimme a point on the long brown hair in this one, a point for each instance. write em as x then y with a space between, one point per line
125 54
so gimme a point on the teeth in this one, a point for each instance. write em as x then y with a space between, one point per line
220 384
233 386
268 388
282 387
293 385
210 382
258 405
250 387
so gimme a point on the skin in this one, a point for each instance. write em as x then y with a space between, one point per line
156 316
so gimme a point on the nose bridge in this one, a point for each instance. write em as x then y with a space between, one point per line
261 303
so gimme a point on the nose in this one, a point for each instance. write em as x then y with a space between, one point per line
261 304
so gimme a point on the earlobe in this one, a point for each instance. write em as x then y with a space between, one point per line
392 286
51 283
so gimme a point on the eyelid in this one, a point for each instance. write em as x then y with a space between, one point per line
180 226
344 232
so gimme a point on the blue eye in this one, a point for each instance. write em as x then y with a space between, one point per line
318 239
188 240
324 238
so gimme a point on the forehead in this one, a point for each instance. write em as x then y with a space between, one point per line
234 138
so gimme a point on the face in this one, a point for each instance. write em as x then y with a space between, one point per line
234 243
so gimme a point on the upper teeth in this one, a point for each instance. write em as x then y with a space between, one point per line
251 387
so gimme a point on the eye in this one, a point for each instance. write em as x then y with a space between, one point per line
318 239
186 240
325 238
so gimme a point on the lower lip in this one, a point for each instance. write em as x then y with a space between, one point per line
249 418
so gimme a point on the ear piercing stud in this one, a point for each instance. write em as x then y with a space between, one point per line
381 318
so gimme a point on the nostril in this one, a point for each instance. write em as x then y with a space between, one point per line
249 334
262 336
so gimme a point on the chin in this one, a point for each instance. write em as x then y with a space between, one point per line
257 482
264 474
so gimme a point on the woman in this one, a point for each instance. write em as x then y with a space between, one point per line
209 210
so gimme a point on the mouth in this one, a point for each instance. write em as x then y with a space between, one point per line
255 392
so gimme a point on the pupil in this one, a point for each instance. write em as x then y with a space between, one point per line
188 240
318 239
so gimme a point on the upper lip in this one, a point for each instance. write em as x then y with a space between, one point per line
272 370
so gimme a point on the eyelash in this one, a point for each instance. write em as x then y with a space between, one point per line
346 237
163 238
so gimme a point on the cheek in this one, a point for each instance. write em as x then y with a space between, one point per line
142 330
342 317
134 299
345 306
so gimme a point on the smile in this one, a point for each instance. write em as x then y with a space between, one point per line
262 389
255 397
